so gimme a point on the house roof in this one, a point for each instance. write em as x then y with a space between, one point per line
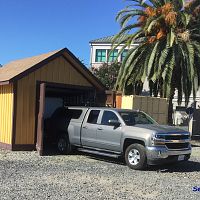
17 69
109 39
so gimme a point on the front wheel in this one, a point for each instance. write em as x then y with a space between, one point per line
135 156
187 157
63 145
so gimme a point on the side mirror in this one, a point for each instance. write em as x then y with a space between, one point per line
114 123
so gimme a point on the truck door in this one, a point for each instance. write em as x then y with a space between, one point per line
108 136
89 129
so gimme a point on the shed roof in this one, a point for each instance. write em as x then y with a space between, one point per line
13 68
17 69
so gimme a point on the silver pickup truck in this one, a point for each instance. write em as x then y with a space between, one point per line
128 133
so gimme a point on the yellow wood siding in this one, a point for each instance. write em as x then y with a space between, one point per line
6 113
58 71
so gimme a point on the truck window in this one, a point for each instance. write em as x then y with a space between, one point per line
131 118
108 115
93 116
75 113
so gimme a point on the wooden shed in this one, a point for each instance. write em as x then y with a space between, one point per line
26 84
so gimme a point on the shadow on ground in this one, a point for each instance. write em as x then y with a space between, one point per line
182 167
118 161
51 151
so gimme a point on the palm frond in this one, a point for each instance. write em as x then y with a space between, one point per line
151 60
125 15
169 54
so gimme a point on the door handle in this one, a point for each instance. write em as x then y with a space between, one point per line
85 127
100 129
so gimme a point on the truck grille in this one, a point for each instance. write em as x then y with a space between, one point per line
176 137
177 145
175 141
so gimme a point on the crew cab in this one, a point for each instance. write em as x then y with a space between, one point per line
121 132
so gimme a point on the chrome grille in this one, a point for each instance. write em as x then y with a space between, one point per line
173 140
173 136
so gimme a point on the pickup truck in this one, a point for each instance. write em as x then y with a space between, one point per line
122 132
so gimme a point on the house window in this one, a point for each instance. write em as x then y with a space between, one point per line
124 53
100 55
113 55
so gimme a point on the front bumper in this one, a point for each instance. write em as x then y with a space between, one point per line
158 154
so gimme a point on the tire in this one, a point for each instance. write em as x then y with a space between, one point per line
135 157
187 157
63 144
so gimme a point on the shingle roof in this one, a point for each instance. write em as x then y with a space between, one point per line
14 68
109 39
19 68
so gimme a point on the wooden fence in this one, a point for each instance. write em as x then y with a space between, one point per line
157 108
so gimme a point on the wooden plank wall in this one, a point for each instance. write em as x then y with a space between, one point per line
157 108
118 100
58 71
6 113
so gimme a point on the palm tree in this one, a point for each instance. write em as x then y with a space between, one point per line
169 52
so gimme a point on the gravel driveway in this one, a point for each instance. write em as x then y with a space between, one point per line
25 175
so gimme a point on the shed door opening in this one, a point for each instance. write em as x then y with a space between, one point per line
53 100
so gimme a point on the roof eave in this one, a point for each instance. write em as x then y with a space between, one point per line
110 43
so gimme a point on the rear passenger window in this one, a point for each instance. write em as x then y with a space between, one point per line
75 113
93 116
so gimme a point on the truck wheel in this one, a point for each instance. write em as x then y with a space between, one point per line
63 144
135 156
187 157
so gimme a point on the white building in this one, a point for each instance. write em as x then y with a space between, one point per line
99 51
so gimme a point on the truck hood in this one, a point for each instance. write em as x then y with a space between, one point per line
156 128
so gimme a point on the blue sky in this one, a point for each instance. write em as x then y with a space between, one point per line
31 27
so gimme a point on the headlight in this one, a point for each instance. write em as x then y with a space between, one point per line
157 139
153 136
157 136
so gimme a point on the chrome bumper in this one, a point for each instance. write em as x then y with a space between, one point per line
158 152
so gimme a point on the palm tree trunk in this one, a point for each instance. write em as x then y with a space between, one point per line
170 108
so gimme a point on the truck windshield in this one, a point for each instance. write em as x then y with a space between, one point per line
131 118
